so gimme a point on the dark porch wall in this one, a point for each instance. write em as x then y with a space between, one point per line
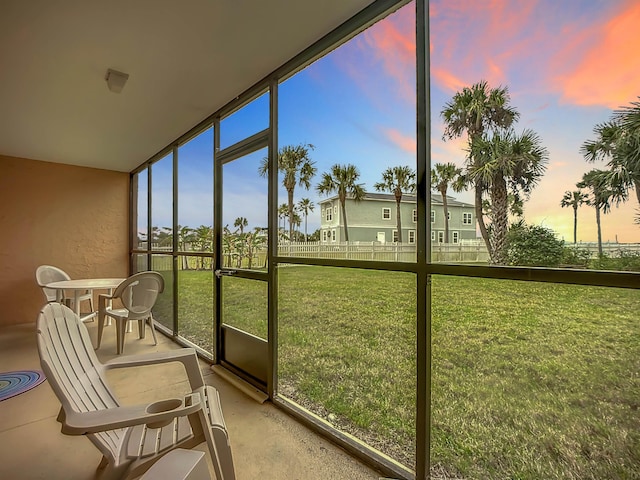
75 218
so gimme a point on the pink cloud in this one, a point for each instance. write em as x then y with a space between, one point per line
393 43
608 73
401 140
447 80
478 40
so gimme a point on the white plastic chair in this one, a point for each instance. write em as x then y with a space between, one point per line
47 273
130 438
138 295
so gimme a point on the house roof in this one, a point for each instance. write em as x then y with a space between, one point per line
436 199
186 59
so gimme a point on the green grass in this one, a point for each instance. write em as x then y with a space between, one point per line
530 380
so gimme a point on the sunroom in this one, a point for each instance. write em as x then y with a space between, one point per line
233 121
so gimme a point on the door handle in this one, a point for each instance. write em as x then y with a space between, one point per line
225 273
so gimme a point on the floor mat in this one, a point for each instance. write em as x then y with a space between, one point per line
15 383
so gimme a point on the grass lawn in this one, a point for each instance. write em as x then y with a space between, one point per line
530 380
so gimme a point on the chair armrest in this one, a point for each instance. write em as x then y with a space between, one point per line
186 356
81 423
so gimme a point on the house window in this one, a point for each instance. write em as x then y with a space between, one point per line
433 216
448 215
466 218
333 235
335 209
412 236
440 237
324 235
395 236
433 236
386 214
329 214
455 237
414 215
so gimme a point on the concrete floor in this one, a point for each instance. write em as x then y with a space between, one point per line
266 442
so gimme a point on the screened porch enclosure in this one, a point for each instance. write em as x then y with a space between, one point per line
421 362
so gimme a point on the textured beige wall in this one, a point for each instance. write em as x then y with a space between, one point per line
75 218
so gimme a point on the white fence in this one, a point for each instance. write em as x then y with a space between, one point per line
611 249
385 252
468 251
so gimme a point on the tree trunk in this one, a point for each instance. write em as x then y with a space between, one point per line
500 206
290 198
398 220
636 183
343 208
480 219
575 224
445 207
599 232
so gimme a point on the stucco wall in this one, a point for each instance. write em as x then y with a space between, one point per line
75 218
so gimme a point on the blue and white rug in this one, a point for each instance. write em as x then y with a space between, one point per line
15 383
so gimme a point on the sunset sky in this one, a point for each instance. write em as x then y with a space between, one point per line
567 65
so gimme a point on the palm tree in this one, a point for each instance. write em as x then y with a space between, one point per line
473 111
599 196
342 179
186 235
443 175
397 180
204 241
618 143
298 169
504 162
305 206
240 223
283 212
574 200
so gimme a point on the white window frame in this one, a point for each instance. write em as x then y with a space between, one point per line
414 215
412 236
440 236
433 236
467 218
329 214
394 236
335 209
324 236
433 216
448 215
387 211
333 234
455 237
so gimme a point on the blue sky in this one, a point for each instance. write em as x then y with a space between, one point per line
567 64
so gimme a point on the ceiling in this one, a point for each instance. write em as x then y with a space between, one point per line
186 59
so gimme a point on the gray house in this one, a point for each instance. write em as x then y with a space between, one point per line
374 219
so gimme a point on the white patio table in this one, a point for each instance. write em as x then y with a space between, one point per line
82 284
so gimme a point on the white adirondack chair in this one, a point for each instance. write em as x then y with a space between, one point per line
130 438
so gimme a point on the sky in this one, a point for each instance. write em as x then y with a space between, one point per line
567 64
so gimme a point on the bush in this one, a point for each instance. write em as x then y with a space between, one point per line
624 260
576 256
533 246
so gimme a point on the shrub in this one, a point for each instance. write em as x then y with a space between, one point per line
533 245
576 256
624 260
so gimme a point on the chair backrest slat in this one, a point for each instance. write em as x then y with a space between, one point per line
67 357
